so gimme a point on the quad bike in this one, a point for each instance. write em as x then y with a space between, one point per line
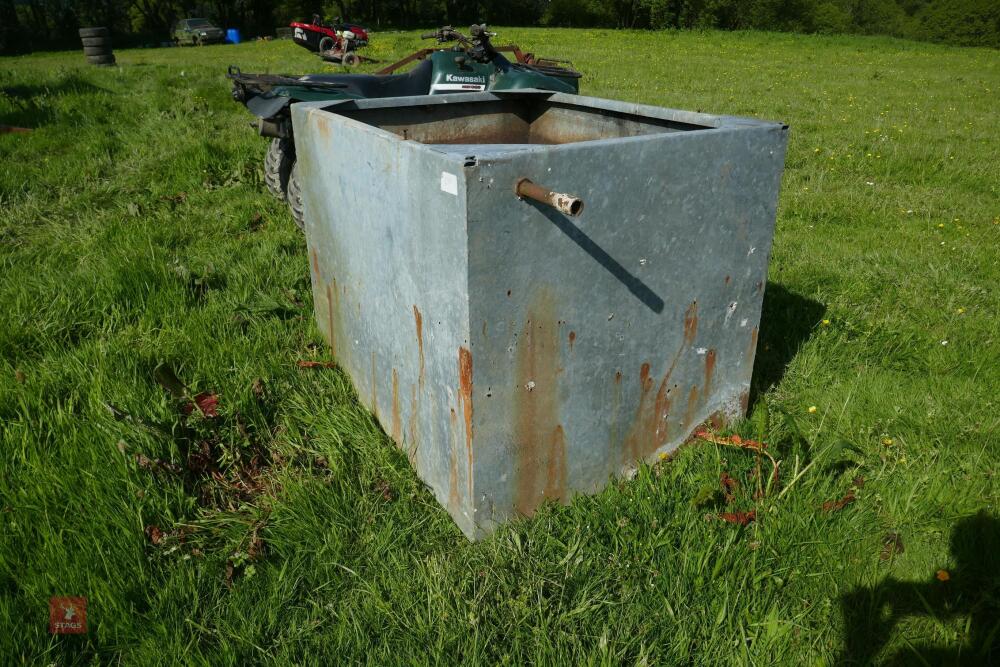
344 50
473 64
328 38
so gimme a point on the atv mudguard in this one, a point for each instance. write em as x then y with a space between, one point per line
272 103
267 106
519 77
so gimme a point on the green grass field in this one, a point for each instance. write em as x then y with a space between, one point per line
136 234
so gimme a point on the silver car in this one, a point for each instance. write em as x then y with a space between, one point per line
197 32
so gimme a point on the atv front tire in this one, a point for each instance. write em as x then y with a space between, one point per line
295 197
278 166
326 44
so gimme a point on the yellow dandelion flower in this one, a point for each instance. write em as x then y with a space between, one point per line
887 442
663 456
960 311
812 409
826 323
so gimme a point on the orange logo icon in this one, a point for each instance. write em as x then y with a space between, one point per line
67 615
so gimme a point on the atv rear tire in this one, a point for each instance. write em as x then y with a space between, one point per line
326 44
103 42
93 32
278 166
350 60
295 197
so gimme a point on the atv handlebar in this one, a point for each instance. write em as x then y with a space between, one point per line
446 34
478 46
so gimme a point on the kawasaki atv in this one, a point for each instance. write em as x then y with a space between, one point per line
472 65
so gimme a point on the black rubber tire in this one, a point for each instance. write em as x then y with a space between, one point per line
350 60
97 50
93 32
278 166
108 59
295 198
96 41
326 43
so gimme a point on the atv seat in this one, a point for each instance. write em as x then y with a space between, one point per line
415 82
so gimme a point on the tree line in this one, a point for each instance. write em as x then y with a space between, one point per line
48 24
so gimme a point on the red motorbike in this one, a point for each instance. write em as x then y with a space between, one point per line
336 40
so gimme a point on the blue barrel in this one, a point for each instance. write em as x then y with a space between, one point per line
233 35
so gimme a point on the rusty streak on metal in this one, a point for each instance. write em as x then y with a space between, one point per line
691 322
419 320
650 428
539 437
465 398
692 406
566 204
709 372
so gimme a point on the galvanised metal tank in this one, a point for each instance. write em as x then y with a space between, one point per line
534 292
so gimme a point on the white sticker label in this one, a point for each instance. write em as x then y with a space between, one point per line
457 87
449 183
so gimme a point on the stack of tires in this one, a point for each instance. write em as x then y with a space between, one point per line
97 46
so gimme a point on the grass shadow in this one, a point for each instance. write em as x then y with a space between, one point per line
28 107
787 321
972 591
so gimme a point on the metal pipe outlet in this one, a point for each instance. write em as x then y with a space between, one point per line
568 204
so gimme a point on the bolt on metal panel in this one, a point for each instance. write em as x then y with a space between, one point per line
523 344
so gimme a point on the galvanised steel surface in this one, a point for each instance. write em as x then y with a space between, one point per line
516 353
